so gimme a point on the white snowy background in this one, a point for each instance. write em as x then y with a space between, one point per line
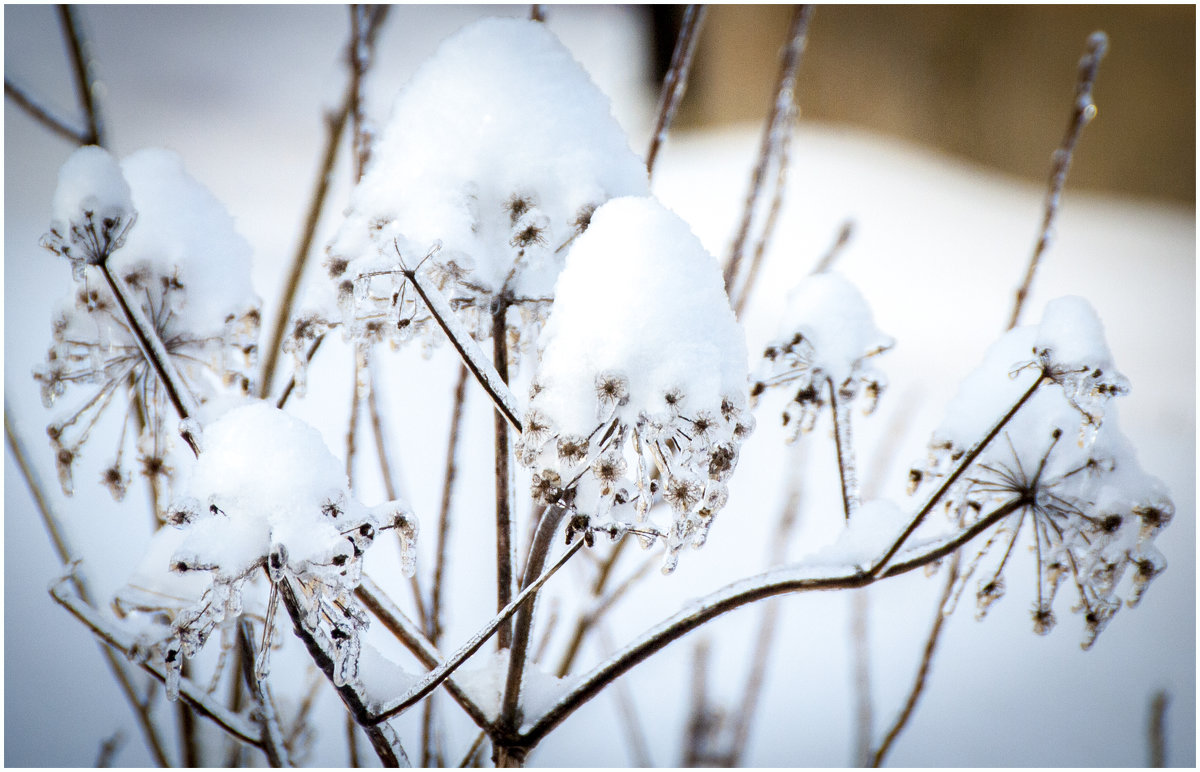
938 249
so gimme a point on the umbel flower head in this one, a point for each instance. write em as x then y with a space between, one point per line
496 155
173 246
641 388
827 339
267 496
1061 470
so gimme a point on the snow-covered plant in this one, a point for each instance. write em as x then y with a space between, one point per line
501 202
1060 465
495 156
266 494
143 234
642 376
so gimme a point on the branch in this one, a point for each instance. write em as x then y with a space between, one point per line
67 556
1082 113
434 626
196 696
1156 731
391 617
796 579
776 133
273 743
336 123
81 67
675 82
472 356
505 540
434 678
43 114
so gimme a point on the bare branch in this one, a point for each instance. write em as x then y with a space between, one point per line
85 81
1082 113
434 621
273 743
505 538
776 132
676 79
44 115
835 250
1157 729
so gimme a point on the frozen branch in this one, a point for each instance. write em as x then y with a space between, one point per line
776 135
676 80
85 81
273 743
1082 113
43 114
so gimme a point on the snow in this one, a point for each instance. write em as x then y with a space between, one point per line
90 181
956 241
873 528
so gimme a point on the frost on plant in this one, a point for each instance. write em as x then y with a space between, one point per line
173 246
827 339
267 495
1061 466
499 150
641 390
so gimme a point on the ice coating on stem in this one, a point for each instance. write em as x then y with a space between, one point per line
642 363
827 337
498 150
1083 503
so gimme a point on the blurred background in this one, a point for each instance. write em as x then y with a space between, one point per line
990 84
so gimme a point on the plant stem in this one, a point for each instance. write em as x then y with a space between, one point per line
730 597
336 124
434 626
43 115
505 546
676 79
67 556
843 442
922 671
1082 112
776 132
77 47
1156 731
272 737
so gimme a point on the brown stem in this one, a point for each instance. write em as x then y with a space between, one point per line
1082 112
77 48
918 686
1157 729
434 626
336 124
272 737
835 250
43 114
505 548
52 524
676 79
291 385
842 441
776 127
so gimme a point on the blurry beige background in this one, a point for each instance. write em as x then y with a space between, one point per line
992 84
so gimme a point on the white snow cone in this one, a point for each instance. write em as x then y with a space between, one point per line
642 362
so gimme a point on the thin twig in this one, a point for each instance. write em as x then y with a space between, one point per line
736 595
863 712
505 540
835 250
109 749
636 743
918 687
434 678
291 385
232 723
702 724
352 423
1082 113
434 626
1156 730
44 115
352 743
777 127
335 124
391 617
844 445
273 743
188 727
81 68
676 80
68 557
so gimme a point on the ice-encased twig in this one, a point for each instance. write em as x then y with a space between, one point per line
53 525
676 79
196 696
435 677
1082 112
273 743
472 356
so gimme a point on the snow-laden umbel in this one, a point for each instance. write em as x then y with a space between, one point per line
173 245
826 339
1060 468
642 362
495 156
266 494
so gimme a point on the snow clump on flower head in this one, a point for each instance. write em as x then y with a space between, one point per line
1060 467
642 361
827 336
498 150
267 493
174 247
